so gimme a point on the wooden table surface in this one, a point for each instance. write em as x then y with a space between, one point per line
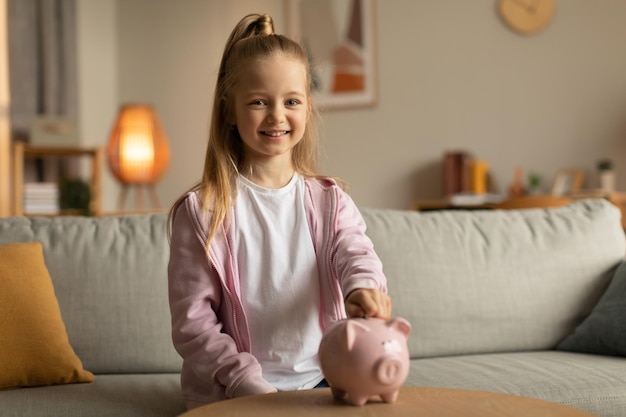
412 401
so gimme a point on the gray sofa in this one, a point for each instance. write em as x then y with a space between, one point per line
490 296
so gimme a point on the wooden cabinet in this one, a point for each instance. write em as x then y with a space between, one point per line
530 201
21 152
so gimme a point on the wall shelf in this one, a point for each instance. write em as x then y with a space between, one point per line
23 151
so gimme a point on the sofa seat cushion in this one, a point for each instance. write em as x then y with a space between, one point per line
132 395
490 281
592 383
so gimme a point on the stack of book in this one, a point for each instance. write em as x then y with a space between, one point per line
41 198
463 173
457 173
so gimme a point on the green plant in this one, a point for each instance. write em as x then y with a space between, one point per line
605 165
534 180
75 196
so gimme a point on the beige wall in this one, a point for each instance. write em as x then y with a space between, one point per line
452 76
97 51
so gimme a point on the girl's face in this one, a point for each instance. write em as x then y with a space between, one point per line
271 108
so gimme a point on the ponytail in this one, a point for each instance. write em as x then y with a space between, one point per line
251 25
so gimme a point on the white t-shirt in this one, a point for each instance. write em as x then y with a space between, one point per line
279 282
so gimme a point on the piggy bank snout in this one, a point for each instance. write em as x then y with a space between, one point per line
388 370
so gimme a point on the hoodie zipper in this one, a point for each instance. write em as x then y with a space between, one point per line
332 273
237 337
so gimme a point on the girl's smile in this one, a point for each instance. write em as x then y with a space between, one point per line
275 134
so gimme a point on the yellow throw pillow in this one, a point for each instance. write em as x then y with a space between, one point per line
34 347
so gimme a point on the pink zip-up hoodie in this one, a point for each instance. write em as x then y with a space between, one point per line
209 325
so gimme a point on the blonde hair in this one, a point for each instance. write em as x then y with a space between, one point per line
252 38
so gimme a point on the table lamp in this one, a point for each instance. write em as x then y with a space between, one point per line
138 153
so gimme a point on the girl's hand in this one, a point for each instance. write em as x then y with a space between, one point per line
368 302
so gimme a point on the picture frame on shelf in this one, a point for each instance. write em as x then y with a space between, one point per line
339 39
567 182
53 131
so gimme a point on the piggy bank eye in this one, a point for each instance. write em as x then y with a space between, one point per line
392 346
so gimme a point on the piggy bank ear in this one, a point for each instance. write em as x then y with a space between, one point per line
354 328
400 325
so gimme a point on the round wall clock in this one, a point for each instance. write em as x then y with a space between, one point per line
527 16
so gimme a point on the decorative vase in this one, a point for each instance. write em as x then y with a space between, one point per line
607 180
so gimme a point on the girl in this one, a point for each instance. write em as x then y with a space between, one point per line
265 253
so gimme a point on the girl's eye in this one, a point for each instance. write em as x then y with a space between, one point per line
292 102
257 102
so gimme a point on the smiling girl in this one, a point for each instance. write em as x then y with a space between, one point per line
265 253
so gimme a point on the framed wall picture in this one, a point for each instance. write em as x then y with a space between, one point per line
339 37
567 181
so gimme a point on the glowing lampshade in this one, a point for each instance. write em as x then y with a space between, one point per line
138 153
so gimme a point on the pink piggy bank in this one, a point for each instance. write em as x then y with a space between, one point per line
362 357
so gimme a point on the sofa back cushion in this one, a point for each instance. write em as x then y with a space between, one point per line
496 280
110 278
